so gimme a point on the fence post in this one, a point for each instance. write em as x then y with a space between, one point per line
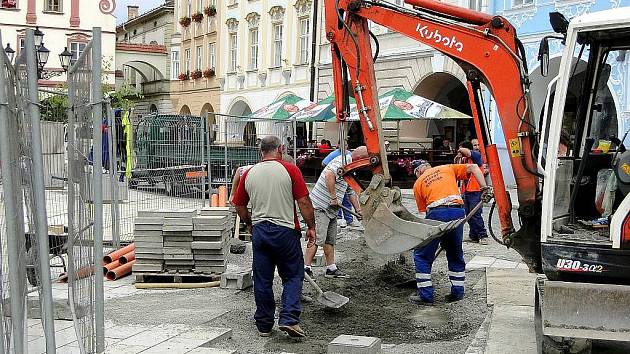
225 152
39 196
11 205
205 143
113 174
97 139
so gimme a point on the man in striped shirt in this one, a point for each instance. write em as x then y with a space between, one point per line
436 193
326 196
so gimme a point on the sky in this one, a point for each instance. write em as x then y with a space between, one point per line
145 5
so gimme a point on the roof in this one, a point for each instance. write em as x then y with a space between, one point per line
155 12
619 16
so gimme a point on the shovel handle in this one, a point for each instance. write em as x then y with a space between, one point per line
313 284
351 212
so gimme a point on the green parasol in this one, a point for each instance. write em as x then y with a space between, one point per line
322 111
282 109
398 104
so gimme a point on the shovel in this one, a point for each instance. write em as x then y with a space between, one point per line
330 298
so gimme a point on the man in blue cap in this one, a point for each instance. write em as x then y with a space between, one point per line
436 193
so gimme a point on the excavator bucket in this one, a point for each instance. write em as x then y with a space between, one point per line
389 227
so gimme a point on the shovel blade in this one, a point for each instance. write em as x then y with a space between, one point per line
332 299
392 229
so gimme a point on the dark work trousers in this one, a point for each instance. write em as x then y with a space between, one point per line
452 244
477 227
277 246
342 213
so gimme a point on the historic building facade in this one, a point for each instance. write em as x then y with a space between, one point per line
143 57
196 57
266 55
64 24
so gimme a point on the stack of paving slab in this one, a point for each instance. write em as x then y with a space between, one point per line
149 242
177 234
211 231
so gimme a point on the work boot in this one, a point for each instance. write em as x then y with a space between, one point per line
293 331
453 298
356 225
264 334
483 241
341 223
416 299
335 273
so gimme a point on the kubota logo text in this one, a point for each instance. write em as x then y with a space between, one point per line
435 35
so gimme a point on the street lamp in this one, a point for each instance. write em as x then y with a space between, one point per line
39 37
42 55
10 52
64 58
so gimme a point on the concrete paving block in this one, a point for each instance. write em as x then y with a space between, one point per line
139 268
205 227
221 251
512 327
319 260
177 228
207 257
147 228
501 263
148 220
211 335
148 233
202 245
219 263
346 344
214 211
170 240
146 244
175 345
510 287
208 233
149 261
211 219
179 213
177 248
148 239
210 270
241 280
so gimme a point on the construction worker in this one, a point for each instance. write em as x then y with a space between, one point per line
436 194
327 194
472 192
344 217
271 187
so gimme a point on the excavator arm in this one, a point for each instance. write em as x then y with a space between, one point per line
487 49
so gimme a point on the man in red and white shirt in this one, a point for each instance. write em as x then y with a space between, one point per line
271 187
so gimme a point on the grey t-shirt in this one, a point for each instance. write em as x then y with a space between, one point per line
320 195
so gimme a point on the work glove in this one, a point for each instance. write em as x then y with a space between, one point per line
487 194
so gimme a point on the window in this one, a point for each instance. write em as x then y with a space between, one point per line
253 49
304 36
174 65
76 48
187 60
212 56
188 8
518 3
200 5
277 44
53 5
199 58
8 4
474 5
233 51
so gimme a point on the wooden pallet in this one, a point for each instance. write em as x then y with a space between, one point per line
176 278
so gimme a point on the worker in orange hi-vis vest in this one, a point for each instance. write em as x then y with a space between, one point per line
436 193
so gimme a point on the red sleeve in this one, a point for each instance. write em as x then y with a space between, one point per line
241 198
299 186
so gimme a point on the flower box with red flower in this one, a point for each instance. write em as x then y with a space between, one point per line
208 73
196 75
184 21
197 17
210 11
183 77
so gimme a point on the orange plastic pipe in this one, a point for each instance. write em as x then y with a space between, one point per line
222 196
81 273
109 266
127 257
117 254
466 15
121 271
215 200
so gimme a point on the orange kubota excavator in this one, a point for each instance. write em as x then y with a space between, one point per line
576 258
